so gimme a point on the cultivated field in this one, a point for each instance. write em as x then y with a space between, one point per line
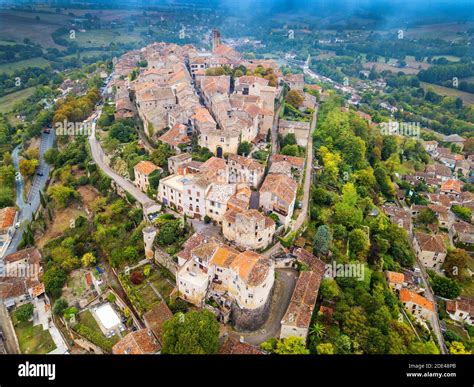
446 91
8 101
10 68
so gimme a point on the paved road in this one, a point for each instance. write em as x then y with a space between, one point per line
28 208
435 320
284 285
307 182
99 158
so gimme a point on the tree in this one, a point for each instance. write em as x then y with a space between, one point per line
446 287
196 332
54 279
61 194
325 349
88 259
322 240
28 167
291 150
359 243
427 216
51 156
294 98
329 289
244 148
457 348
147 270
464 213
60 306
24 312
291 346
136 277
455 263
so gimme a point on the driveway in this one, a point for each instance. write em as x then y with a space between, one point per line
283 290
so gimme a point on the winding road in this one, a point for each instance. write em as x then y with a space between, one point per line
28 208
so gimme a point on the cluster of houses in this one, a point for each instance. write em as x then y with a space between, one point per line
431 245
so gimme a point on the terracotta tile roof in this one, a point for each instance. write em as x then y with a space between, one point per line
302 301
37 290
7 217
394 277
281 186
314 263
146 167
235 347
452 185
194 241
246 162
251 267
224 256
203 115
407 295
462 304
32 255
137 343
432 243
156 317
177 135
296 162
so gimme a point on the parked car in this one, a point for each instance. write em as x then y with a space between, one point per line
40 173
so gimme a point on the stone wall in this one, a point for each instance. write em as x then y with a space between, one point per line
165 260
250 319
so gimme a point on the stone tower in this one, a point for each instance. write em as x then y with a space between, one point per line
149 234
216 39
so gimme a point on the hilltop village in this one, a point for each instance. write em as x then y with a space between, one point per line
208 194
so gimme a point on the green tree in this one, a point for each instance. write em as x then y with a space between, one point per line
446 287
196 332
60 306
24 312
456 263
88 259
294 98
322 240
244 148
54 279
28 167
291 346
427 216
329 289
359 243
325 349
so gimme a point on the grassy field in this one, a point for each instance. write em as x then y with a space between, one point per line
17 25
33 340
451 58
445 31
467 98
9 68
103 37
61 222
8 101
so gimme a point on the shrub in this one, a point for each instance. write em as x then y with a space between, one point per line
136 277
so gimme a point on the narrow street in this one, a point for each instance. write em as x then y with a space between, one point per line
307 182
